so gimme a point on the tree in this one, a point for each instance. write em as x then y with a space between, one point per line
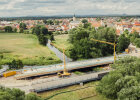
56 22
36 30
22 26
42 39
50 22
123 82
18 94
137 42
84 21
44 31
45 21
21 30
8 29
11 94
123 43
15 30
52 37
126 33
84 47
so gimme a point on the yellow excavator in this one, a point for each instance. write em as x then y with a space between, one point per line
65 72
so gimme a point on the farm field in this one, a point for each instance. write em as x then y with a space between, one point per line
26 48
83 94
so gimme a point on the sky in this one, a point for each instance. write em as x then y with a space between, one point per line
15 8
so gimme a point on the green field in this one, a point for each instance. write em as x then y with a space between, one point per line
26 48
61 41
82 94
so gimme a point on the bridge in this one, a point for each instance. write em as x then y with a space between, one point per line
44 85
50 69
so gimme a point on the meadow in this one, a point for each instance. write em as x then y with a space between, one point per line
26 48
61 41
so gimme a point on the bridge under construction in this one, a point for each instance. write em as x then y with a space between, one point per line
44 70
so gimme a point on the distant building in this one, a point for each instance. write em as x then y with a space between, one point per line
75 23
136 27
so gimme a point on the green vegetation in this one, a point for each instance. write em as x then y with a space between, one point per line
42 34
0 67
51 22
16 64
135 39
84 21
75 95
26 48
16 94
124 82
84 47
61 41
78 73
8 29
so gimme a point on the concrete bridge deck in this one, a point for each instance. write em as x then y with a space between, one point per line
62 82
42 70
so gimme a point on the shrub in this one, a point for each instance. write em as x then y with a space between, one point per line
16 64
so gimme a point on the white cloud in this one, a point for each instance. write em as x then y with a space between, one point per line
58 7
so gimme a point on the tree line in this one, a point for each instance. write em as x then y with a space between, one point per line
84 47
16 94
43 34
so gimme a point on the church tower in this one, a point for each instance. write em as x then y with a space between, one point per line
74 18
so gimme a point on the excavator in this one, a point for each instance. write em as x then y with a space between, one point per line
65 72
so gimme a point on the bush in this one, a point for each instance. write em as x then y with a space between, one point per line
16 64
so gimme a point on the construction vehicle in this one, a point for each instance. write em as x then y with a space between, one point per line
65 72
114 44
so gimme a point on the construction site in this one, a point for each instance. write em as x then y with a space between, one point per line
43 78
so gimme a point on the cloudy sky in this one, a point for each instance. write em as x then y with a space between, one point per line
68 7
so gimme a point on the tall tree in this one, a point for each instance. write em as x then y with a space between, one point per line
123 82
8 29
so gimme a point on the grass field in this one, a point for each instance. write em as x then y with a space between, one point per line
75 95
26 48
61 41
